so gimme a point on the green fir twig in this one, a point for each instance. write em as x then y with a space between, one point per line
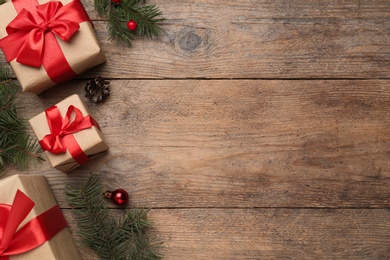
110 238
147 17
16 145
2 2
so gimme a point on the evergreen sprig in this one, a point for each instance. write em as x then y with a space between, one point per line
2 2
147 17
16 145
110 238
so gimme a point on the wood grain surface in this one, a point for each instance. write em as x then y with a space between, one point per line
253 129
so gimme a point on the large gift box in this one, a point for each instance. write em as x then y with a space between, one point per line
47 42
68 134
32 226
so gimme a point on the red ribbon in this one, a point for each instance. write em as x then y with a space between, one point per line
61 136
33 234
32 35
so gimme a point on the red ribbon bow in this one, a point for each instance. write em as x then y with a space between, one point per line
61 136
34 233
32 35
30 32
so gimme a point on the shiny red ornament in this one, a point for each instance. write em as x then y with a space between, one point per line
132 25
116 1
120 197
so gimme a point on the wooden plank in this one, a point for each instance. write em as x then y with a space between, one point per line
269 233
187 9
257 39
238 143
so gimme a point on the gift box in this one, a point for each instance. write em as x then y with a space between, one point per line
47 42
68 134
32 223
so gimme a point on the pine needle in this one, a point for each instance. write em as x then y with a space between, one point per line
110 238
2 2
16 146
148 18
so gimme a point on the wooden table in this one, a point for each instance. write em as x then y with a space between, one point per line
253 129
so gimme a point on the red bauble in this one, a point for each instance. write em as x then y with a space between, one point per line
132 25
116 1
120 197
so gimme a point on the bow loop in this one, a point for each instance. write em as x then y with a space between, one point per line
24 21
72 125
64 29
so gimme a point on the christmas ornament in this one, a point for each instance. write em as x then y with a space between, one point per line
111 237
116 1
120 197
132 25
97 90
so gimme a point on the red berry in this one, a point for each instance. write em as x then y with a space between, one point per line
132 25
116 1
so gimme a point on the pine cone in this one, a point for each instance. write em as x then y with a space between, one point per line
97 90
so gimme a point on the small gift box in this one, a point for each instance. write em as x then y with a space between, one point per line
47 42
68 134
31 223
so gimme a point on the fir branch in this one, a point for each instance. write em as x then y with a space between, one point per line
2 2
111 239
16 146
148 18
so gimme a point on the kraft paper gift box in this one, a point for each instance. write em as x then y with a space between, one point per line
56 57
36 188
89 142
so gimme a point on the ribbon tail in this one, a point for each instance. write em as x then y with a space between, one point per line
53 144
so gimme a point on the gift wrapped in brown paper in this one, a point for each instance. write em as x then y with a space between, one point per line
68 134
47 42
33 224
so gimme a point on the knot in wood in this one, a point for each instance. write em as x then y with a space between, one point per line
189 41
